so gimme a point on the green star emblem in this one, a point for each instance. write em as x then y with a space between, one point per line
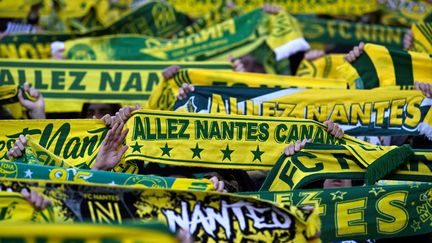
376 190
136 147
257 154
416 225
338 194
166 150
196 151
226 153
415 185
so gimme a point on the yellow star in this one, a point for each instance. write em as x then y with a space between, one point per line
376 190
337 195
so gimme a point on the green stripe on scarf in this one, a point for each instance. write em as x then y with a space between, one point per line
363 65
404 73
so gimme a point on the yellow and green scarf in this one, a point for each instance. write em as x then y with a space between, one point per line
359 112
422 34
164 98
319 162
363 212
323 67
206 215
239 36
349 33
67 85
379 66
20 171
337 7
153 18
204 140
405 12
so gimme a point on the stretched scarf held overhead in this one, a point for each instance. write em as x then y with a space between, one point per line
348 33
164 98
218 141
228 217
357 162
408 207
206 140
67 85
405 12
359 112
18 170
74 141
239 36
379 66
338 7
153 18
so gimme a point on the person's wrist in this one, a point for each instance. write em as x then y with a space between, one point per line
38 113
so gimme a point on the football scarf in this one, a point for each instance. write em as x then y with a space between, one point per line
18 170
422 34
74 141
238 36
67 85
348 33
339 7
402 12
363 212
359 112
319 162
323 67
153 18
379 66
164 97
207 216
218 141
207 140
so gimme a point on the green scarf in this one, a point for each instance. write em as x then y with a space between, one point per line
239 36
20 171
364 212
151 19
318 162
348 33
